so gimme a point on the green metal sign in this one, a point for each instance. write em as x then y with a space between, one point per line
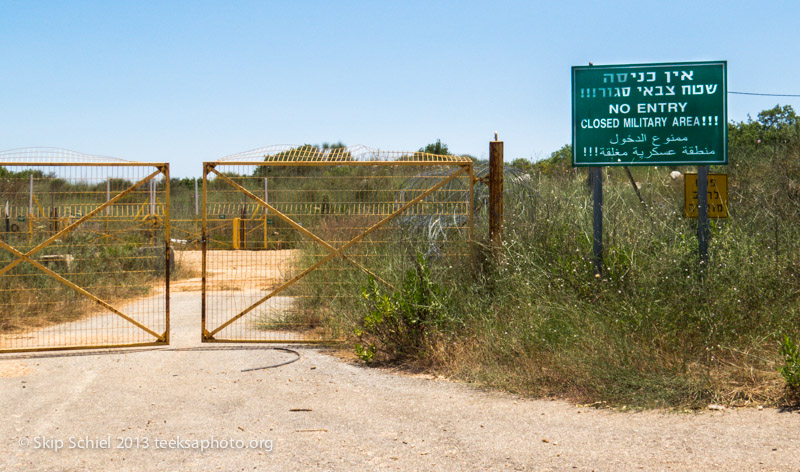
650 114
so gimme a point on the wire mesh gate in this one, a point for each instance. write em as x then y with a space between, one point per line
290 236
84 251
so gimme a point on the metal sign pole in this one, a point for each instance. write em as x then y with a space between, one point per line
702 216
596 174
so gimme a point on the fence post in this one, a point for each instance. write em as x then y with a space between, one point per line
196 213
204 248
108 210
243 229
235 235
266 214
152 197
496 192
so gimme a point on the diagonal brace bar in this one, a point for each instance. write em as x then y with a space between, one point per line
78 289
74 225
295 225
330 256
271 208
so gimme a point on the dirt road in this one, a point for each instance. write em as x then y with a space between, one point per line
155 407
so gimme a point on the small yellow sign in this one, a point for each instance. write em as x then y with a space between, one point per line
717 196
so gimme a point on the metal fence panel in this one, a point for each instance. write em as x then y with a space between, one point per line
84 251
291 236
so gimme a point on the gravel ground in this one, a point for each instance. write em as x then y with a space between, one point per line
320 413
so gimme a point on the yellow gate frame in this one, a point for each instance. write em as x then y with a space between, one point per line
162 168
464 165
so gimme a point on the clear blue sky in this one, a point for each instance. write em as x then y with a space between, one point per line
185 82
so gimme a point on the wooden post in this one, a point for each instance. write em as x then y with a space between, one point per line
496 192
596 174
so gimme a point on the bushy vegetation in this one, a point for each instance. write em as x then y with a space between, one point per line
404 323
790 370
533 319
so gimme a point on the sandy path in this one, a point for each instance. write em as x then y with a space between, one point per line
235 270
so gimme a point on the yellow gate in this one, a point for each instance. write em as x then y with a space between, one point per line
84 251
292 235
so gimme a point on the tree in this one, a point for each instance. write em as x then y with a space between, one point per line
438 147
339 145
521 164
777 126
559 162
778 118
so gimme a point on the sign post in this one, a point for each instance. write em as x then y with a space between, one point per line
648 115
596 173
702 216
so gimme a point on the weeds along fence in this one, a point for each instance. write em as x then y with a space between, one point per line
83 251
649 320
293 234
652 247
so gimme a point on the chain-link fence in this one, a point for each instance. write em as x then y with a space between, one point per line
84 255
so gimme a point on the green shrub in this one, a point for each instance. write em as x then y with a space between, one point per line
790 370
404 323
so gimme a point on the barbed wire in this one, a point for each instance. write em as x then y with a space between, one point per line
44 155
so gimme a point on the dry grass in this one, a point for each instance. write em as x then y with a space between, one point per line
64 305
